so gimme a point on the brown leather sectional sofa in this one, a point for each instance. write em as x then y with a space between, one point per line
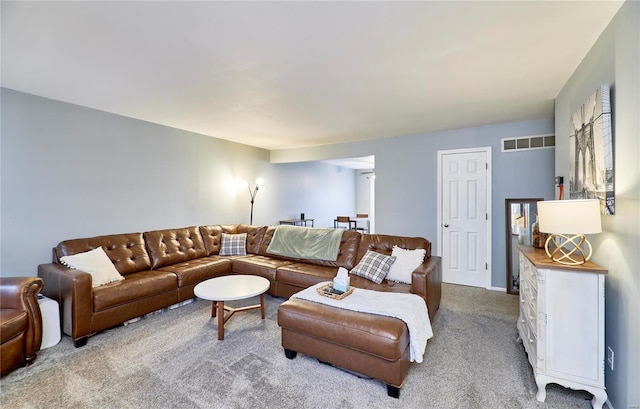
162 267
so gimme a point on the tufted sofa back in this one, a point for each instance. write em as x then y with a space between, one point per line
212 236
127 251
133 252
171 246
382 243
346 253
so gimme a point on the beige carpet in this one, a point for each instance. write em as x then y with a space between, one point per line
174 360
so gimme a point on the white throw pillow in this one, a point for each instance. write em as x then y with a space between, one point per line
95 262
406 262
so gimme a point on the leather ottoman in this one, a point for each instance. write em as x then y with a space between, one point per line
371 345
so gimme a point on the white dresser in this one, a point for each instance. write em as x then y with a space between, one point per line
561 323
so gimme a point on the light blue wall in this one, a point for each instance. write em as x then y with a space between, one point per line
615 60
318 190
406 173
69 171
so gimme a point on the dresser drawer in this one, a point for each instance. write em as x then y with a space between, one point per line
532 316
524 312
532 342
532 278
525 268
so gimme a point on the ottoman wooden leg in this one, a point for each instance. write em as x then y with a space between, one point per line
393 391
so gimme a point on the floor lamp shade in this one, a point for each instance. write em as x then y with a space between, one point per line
568 221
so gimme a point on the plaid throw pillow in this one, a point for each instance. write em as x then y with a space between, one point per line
233 244
373 266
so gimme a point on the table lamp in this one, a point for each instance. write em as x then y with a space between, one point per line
568 221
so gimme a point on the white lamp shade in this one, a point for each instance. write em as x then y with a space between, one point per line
569 216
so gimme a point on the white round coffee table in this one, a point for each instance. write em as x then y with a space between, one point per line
228 288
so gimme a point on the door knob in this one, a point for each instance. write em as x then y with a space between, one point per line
446 225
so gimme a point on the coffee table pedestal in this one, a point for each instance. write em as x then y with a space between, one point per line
228 288
218 308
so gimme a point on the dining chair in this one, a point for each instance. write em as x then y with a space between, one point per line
364 229
344 220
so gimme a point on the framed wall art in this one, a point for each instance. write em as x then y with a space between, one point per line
591 171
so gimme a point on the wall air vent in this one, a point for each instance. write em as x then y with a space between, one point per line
528 142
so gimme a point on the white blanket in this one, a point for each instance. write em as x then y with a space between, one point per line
410 308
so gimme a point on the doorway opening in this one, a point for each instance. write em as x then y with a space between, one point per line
364 200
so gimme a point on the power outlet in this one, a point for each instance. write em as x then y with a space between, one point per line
610 357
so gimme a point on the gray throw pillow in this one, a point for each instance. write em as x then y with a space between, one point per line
233 244
373 266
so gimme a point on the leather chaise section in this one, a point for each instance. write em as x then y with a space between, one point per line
383 337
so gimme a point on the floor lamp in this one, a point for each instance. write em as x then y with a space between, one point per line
253 192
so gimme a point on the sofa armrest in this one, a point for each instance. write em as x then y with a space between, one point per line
20 293
73 291
16 292
426 281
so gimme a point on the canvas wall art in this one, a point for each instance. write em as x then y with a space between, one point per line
591 172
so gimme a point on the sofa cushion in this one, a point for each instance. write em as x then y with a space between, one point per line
13 323
126 251
173 246
233 244
259 266
194 271
373 266
304 275
406 262
96 263
212 236
135 286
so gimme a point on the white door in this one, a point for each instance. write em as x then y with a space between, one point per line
464 179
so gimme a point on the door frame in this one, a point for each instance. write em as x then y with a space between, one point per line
487 151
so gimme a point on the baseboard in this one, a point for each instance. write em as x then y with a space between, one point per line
501 289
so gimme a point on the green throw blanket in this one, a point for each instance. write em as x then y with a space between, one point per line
306 242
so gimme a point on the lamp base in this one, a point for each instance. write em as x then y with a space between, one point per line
568 249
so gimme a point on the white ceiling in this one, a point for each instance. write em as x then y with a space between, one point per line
292 74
